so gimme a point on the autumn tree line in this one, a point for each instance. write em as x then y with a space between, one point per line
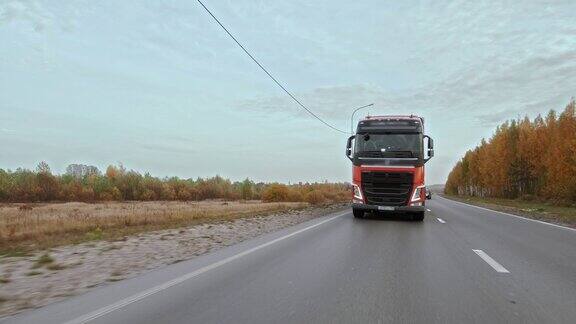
88 184
523 159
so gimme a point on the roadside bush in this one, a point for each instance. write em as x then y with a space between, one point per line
168 193
116 194
315 197
86 183
275 192
87 195
105 196
148 195
294 195
184 194
330 195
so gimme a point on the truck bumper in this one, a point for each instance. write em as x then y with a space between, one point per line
394 209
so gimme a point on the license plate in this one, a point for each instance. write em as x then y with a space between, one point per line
385 208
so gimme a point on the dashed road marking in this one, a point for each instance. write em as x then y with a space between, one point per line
428 210
497 266
441 220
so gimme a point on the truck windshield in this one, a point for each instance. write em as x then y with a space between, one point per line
388 145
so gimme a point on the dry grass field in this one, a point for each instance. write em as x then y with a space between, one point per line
26 227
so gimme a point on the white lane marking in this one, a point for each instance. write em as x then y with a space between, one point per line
428 210
149 292
441 220
516 216
497 266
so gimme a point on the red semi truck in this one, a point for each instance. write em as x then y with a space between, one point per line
388 165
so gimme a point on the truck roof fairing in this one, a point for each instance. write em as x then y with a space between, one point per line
385 124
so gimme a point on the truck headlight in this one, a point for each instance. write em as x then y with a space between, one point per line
357 192
417 193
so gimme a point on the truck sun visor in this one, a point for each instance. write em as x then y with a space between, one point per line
389 126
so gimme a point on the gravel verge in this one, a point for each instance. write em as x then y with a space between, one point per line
45 277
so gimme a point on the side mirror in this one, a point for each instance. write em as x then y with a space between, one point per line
428 195
349 147
430 148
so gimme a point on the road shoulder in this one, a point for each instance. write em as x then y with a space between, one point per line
529 211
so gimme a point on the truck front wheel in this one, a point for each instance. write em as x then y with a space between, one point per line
418 217
358 213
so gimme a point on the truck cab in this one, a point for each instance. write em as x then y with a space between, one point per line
388 158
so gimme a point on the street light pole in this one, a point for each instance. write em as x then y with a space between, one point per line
352 117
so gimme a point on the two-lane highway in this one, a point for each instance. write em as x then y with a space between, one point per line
462 264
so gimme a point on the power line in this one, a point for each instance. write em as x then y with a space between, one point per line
268 73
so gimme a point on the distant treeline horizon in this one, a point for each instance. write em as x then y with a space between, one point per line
86 183
523 159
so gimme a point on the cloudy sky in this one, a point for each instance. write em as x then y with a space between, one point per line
158 86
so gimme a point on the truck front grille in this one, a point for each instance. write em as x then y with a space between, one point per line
387 188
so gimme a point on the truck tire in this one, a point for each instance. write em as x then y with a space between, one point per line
418 217
358 213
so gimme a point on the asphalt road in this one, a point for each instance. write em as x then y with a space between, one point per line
462 264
